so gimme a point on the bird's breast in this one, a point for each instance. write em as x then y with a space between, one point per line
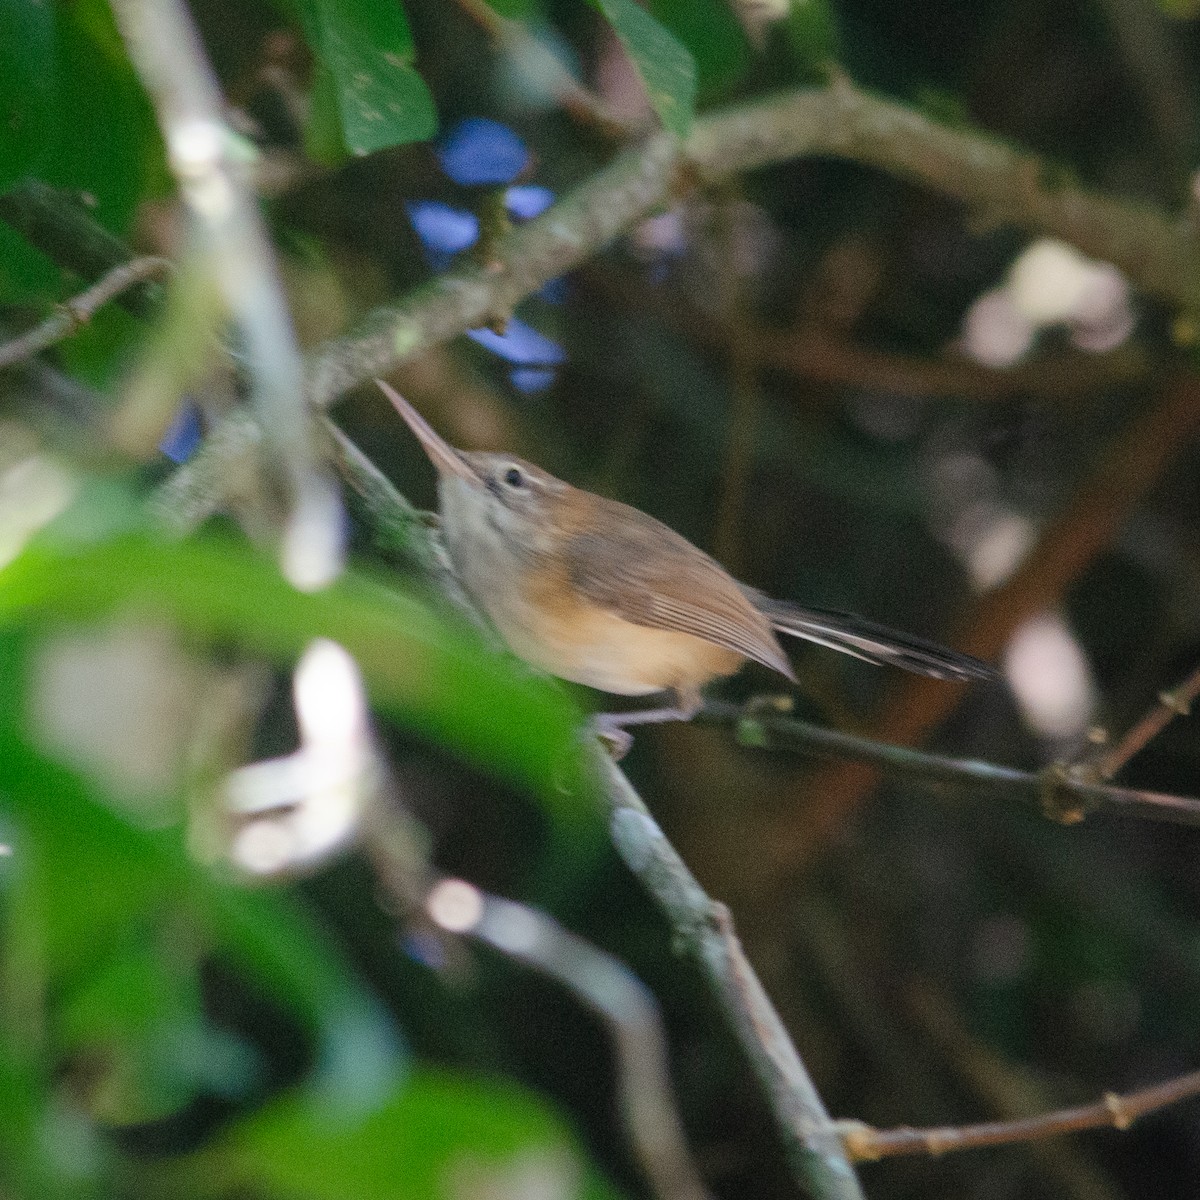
545 621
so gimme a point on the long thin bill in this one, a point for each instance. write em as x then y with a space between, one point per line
443 456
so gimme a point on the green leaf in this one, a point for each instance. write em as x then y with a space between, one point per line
81 882
107 146
440 1135
97 352
73 116
520 10
26 274
666 67
28 85
713 35
324 141
812 33
426 671
365 52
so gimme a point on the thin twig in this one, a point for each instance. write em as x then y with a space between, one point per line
167 52
866 1144
1061 792
62 228
1175 703
1008 1088
337 772
862 978
625 1005
72 314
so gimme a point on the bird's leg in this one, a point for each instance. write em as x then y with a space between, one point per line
612 727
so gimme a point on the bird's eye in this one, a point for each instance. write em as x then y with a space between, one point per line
514 477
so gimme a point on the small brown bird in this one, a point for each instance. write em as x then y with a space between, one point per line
597 592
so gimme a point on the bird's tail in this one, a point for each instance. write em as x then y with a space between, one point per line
871 642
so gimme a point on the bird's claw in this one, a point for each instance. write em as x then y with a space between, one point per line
617 739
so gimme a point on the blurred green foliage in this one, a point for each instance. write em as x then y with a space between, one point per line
77 119
168 1028
365 85
667 68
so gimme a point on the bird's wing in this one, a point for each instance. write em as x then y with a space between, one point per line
645 573
871 642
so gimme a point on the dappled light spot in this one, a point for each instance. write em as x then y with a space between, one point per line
1050 678
34 489
121 704
1049 284
330 707
991 540
455 905
1051 281
264 847
996 333
307 805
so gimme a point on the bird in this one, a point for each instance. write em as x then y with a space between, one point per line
599 593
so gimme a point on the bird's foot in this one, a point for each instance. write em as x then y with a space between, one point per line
617 739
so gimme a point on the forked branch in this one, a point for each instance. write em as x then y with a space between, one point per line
866 1144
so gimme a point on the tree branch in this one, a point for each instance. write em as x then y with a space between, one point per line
70 315
1175 703
705 929
167 53
62 229
702 927
337 771
1158 253
1063 793
866 1144
816 353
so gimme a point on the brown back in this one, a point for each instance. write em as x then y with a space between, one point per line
644 572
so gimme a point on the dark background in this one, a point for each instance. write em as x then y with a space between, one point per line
762 384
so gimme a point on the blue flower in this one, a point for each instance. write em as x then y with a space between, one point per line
528 200
532 379
180 441
441 227
481 151
520 344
